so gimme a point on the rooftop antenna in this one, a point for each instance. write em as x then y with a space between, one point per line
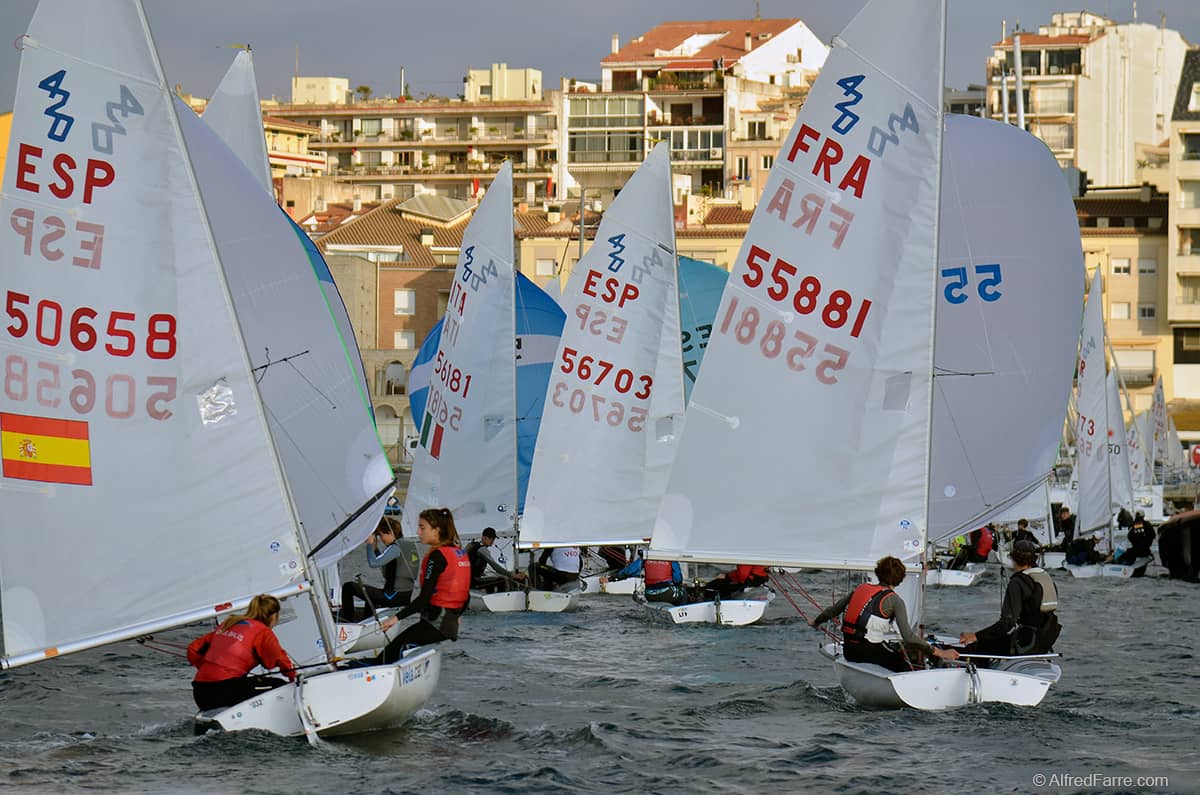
757 15
297 61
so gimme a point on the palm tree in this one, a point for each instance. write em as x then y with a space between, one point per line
364 92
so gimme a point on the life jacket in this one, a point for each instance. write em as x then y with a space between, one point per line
478 564
231 652
658 572
742 573
864 621
454 583
566 559
984 541
1037 631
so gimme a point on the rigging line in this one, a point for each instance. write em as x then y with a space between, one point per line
942 372
288 360
387 489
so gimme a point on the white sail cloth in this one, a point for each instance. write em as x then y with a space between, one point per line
615 399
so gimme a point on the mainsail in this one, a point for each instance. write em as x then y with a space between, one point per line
132 402
1091 425
807 433
616 397
467 458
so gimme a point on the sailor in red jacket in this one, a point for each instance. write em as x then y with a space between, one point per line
445 588
736 581
224 657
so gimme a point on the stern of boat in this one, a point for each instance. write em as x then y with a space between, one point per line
273 711
355 700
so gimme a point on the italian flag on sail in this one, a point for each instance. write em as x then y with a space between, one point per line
431 435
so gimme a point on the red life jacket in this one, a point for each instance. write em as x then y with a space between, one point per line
658 572
454 583
231 652
863 604
742 573
983 544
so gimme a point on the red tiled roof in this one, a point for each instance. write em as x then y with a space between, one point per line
670 35
334 215
726 216
1121 208
275 122
1038 40
387 226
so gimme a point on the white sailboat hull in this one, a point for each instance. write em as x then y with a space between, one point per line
960 577
1108 569
727 612
1023 682
363 636
591 586
340 702
520 601
1052 560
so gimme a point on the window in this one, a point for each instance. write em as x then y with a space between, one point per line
1147 312
742 168
405 302
372 126
1189 288
1120 266
544 267
756 130
404 340
767 162
1119 310
1147 266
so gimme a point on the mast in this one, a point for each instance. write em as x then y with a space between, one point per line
918 613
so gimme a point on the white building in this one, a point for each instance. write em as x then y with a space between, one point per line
1093 89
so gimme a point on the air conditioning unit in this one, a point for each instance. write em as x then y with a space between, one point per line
715 153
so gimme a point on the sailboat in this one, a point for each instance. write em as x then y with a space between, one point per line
823 390
468 458
208 423
1105 484
234 114
700 286
615 405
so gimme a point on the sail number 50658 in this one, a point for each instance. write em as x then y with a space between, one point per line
50 322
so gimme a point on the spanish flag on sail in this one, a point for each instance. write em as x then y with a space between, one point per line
45 449
431 435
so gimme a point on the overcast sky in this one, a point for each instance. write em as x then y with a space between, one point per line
435 41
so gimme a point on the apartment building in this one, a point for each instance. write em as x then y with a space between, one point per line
1124 235
382 149
717 91
1183 236
1093 89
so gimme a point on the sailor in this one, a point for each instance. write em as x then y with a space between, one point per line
484 556
559 566
224 657
398 558
1028 620
1024 533
870 612
1141 537
735 581
663 580
977 548
445 588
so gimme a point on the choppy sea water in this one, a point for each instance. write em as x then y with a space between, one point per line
603 701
